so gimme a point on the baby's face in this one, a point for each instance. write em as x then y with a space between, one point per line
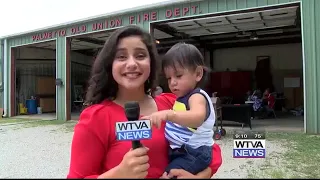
181 80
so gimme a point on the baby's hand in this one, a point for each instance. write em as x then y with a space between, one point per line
157 117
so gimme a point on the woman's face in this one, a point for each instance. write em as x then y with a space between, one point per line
131 66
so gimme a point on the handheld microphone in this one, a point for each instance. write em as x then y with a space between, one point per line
134 129
132 110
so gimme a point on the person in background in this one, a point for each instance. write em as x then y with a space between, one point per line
256 98
266 93
268 98
268 102
125 70
214 97
248 96
158 91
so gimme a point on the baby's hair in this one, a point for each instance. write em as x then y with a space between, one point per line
185 56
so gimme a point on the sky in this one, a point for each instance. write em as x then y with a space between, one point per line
17 16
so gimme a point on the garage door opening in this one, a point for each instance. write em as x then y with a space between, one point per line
34 89
84 50
248 51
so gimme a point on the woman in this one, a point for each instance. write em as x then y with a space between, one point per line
125 70
268 98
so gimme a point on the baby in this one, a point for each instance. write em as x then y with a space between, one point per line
189 125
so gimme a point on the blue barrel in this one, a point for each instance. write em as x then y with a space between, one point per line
31 104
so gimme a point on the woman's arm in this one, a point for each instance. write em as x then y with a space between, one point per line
215 163
90 143
216 159
87 149
205 174
86 154
183 174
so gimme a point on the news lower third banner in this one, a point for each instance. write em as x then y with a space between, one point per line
249 144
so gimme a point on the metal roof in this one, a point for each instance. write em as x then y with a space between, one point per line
121 12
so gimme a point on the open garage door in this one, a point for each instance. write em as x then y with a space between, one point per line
34 87
84 49
249 51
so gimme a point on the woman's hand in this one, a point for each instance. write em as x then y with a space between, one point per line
179 173
182 174
133 165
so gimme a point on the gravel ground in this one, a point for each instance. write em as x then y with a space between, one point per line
44 152
35 152
242 168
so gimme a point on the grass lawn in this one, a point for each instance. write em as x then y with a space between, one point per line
67 126
11 120
300 159
28 123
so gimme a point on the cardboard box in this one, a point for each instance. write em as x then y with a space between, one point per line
294 97
48 104
46 86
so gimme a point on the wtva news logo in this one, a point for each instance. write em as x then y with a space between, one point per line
249 148
133 130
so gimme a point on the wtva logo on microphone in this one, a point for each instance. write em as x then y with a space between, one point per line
133 130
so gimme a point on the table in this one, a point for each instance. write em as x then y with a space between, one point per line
240 113
252 111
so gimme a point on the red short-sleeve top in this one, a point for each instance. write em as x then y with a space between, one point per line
95 149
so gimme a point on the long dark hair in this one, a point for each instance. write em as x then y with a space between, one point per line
101 83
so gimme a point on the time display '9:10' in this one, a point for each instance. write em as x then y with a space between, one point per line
248 135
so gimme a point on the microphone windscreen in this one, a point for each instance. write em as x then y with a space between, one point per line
132 110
